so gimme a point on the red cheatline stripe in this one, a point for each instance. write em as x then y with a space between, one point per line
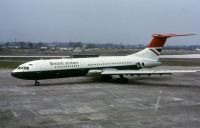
154 52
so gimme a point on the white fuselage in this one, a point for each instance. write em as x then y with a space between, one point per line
58 68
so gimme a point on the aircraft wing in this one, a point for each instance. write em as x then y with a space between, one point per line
184 56
145 72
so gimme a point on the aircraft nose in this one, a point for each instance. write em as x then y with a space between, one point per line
17 74
13 74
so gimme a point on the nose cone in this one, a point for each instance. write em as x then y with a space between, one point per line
16 74
13 74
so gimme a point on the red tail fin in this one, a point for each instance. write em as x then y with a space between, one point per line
155 46
160 39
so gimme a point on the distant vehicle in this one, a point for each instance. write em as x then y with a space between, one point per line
198 49
105 66
43 48
64 49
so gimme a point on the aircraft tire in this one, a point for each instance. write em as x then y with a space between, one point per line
106 78
37 83
124 80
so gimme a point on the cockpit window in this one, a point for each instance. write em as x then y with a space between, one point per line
25 68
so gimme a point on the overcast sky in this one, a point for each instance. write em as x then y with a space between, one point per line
100 21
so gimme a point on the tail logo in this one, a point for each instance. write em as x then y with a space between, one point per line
157 51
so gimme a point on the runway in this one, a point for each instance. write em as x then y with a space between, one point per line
82 102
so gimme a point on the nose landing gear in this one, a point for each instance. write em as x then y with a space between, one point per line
37 83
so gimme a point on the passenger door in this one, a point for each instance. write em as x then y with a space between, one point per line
38 67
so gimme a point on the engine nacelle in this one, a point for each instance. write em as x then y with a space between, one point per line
140 64
148 64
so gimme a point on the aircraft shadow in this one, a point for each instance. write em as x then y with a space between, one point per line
162 84
145 81
44 83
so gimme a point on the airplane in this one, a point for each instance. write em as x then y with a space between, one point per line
106 67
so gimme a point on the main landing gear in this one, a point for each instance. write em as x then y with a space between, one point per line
122 79
37 83
106 77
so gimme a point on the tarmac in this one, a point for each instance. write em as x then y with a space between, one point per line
84 102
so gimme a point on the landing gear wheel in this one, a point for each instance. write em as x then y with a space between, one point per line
37 83
106 78
122 79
